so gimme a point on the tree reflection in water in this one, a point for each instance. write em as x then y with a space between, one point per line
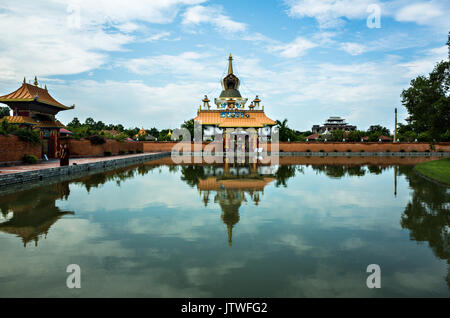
427 215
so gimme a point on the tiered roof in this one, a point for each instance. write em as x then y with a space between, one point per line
24 120
29 93
256 119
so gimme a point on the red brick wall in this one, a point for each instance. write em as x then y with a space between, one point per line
13 149
84 148
326 147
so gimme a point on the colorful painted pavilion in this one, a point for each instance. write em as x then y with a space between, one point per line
33 107
230 118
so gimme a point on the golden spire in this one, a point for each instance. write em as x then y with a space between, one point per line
35 81
230 65
230 234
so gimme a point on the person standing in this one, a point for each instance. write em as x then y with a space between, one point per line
67 155
61 155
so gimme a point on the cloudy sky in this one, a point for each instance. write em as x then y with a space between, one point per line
149 63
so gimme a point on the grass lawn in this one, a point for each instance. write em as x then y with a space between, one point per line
438 170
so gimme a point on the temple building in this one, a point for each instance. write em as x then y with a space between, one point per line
33 107
333 123
230 116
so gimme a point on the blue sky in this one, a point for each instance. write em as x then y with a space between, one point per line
149 63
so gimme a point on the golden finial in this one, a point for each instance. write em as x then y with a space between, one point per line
230 234
35 81
230 64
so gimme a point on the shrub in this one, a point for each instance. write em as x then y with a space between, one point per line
428 150
27 135
446 136
440 150
349 150
139 151
388 150
307 150
30 159
97 140
362 150
414 150
107 153
335 150
121 152
424 136
321 150
402 150
131 152
5 128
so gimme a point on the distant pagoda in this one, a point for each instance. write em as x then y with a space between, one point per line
332 123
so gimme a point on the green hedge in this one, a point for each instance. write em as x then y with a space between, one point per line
30 159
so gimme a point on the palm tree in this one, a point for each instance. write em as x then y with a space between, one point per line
283 129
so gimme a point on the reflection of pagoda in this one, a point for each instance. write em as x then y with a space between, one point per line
232 189
33 211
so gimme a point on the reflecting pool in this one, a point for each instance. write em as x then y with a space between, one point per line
304 228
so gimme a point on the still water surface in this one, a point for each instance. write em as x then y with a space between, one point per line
159 230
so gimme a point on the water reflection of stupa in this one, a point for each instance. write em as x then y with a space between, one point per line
231 186
29 214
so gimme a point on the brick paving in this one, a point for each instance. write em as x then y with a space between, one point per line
55 163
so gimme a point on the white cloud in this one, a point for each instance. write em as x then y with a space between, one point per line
424 65
421 13
333 13
54 37
132 103
296 48
192 64
213 15
157 36
353 48
329 13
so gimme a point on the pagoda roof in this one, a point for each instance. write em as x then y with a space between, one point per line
22 120
313 137
256 119
25 120
29 93
50 124
212 183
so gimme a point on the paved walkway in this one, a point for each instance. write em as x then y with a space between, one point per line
55 163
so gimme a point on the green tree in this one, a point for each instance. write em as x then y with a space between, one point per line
428 101
337 135
4 111
75 123
189 125
379 130
287 134
355 135
89 122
